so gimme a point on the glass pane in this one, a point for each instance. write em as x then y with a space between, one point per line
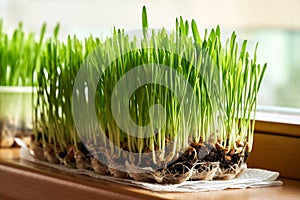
280 49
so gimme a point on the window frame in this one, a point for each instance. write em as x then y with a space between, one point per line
273 121
276 143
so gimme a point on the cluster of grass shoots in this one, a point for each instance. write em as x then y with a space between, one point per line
224 103
19 56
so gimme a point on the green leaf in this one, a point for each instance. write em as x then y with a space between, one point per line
182 28
196 33
186 28
56 30
144 18
243 50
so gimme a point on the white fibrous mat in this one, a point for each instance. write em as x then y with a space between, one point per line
251 178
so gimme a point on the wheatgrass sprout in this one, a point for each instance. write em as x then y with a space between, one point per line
19 55
54 121
170 106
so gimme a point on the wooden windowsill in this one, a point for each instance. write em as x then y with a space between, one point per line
276 143
278 122
22 180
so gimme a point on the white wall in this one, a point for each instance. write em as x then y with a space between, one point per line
93 16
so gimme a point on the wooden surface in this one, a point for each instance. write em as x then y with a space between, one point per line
22 180
276 143
276 152
291 130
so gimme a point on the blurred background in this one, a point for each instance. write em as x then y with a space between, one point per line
275 25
